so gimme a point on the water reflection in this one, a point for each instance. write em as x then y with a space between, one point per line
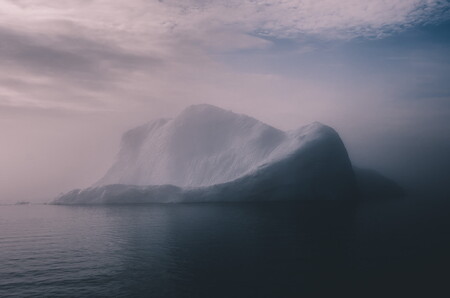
225 250
229 250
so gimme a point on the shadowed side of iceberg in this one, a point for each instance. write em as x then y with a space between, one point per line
319 170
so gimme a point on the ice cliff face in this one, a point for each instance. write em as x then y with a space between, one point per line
210 154
203 146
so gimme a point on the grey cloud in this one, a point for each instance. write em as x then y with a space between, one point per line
8 111
66 68
68 56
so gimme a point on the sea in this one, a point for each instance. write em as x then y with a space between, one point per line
381 248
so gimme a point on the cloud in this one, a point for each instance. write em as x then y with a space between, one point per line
99 50
330 19
144 21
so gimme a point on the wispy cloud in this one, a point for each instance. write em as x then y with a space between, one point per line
278 18
85 47
331 19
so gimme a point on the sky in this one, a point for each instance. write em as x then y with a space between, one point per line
76 74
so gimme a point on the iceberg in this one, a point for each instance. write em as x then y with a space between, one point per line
208 154
373 185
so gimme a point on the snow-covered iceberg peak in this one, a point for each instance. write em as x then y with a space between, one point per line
204 145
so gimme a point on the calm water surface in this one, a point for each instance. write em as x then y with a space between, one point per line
388 248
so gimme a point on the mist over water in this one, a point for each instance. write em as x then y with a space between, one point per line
222 250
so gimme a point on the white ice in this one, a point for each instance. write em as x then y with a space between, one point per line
203 146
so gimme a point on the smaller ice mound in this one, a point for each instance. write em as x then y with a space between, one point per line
210 154
373 185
